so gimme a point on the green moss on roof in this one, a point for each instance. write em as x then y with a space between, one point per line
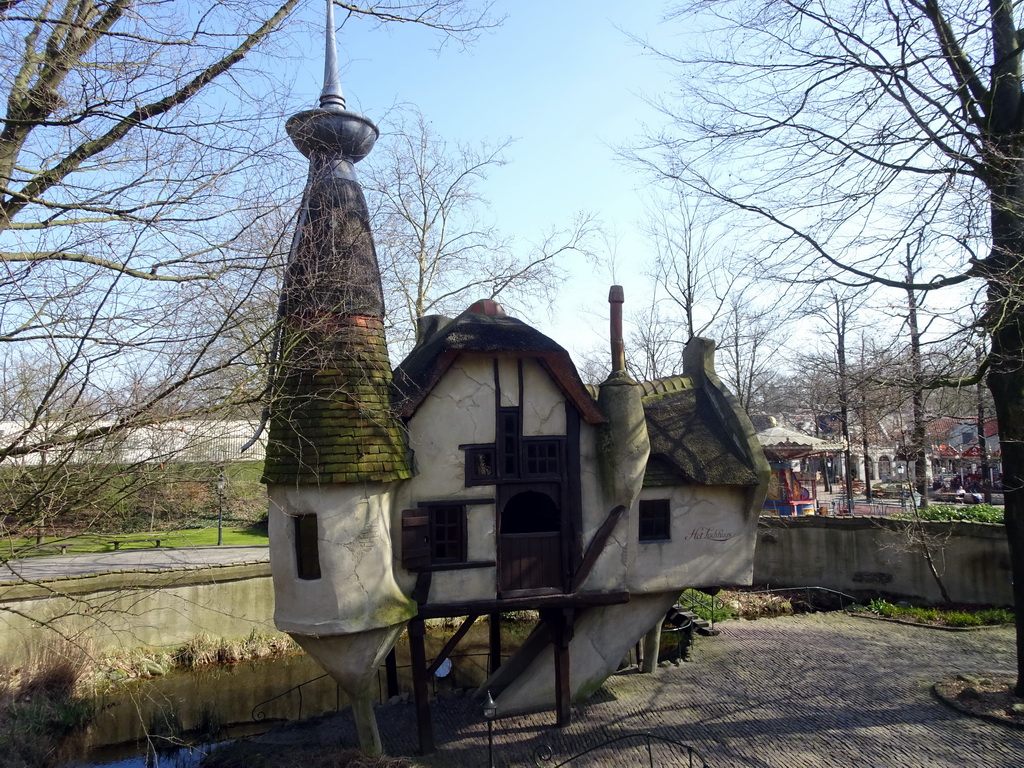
689 442
331 419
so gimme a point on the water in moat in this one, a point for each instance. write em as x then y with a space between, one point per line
142 724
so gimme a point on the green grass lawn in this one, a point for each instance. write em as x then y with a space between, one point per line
88 542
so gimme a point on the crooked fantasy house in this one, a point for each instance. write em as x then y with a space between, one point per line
481 475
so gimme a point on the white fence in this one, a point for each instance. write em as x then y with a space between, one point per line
188 440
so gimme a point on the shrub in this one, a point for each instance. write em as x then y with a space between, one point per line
976 513
936 615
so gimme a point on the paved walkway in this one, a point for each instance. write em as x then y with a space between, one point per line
153 559
816 691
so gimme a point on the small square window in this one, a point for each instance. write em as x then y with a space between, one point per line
447 534
480 466
542 457
655 520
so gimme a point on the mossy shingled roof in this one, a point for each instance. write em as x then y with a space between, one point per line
689 441
332 420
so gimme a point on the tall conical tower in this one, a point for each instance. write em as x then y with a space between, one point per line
331 416
335 448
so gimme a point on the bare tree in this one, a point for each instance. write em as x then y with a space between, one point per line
853 129
751 351
138 163
689 268
439 249
655 341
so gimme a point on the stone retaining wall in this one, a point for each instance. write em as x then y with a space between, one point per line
165 609
862 555
134 609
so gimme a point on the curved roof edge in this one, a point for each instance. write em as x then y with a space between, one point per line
475 333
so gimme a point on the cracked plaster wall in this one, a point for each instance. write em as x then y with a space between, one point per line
357 591
544 405
458 411
712 542
613 458
508 373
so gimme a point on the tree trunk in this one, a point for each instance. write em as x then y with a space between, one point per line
918 449
1007 387
986 470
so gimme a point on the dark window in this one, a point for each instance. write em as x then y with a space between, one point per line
508 440
655 519
448 534
543 457
480 468
307 547
433 534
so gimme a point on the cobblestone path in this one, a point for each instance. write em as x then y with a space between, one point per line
814 691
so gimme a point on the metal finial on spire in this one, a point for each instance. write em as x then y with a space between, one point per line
331 97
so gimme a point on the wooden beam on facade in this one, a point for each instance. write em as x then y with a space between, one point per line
391 671
563 631
596 547
452 642
524 603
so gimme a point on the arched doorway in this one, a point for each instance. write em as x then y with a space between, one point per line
530 549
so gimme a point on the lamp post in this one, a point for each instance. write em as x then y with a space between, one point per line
903 497
221 483
490 712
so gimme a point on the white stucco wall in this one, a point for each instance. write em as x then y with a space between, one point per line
357 590
508 371
712 542
544 404
458 411
609 573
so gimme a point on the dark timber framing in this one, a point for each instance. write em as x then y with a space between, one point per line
560 606
420 690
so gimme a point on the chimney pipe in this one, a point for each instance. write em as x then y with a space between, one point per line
615 299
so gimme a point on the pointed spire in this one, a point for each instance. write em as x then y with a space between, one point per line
331 97
331 419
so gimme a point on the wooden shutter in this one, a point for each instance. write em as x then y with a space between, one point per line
415 539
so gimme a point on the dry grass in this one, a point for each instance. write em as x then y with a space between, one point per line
42 709
199 651
206 650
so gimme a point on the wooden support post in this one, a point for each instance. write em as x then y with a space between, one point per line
391 669
494 635
563 631
418 655
452 642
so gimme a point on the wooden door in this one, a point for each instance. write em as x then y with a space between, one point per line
530 544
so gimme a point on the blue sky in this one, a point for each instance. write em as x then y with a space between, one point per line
561 78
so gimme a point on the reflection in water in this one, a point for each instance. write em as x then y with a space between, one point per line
234 700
